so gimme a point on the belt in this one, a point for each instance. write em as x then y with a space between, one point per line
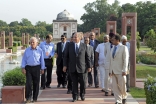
33 65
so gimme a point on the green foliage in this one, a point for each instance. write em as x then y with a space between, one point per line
13 77
14 49
26 45
100 38
138 41
150 39
150 90
15 44
147 59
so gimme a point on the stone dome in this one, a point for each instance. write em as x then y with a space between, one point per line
65 15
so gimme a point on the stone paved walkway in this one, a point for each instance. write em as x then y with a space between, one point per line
93 95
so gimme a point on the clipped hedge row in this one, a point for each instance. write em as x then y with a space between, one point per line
14 49
147 59
17 43
13 77
150 90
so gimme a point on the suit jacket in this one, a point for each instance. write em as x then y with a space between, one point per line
78 63
60 53
119 63
107 52
96 43
91 54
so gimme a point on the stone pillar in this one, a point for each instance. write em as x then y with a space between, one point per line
111 25
130 19
23 38
10 39
27 38
2 39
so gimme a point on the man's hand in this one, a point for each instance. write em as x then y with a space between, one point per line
89 69
64 69
23 71
110 74
42 71
56 55
123 73
50 57
96 64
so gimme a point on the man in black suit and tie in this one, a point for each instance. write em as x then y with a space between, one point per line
94 43
79 61
61 76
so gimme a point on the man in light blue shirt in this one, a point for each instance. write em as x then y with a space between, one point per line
32 63
48 49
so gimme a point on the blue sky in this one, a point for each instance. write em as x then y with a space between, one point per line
43 10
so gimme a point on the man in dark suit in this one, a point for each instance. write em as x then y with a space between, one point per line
79 61
91 54
61 76
94 43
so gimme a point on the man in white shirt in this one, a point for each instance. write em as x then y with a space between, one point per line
100 60
126 43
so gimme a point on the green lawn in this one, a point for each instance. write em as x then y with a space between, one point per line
137 92
142 71
145 48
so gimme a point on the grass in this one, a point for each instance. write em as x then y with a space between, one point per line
145 48
137 92
142 71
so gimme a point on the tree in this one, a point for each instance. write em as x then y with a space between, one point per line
39 23
14 23
25 22
3 24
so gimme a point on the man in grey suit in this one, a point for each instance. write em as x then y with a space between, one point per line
94 43
91 54
77 56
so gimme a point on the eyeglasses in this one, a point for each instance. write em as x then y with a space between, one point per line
62 38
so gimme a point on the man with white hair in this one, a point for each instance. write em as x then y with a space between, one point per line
126 43
100 61
32 64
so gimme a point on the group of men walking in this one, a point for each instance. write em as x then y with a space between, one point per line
76 61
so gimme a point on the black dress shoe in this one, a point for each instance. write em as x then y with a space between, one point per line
82 98
34 101
97 86
63 86
106 93
42 88
58 85
118 103
69 92
74 100
28 101
128 90
123 101
48 86
112 94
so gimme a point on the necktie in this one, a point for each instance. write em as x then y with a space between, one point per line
62 46
77 49
114 51
92 43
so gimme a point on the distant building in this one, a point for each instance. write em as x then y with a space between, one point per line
64 24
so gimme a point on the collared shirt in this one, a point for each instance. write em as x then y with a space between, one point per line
33 57
78 44
48 49
100 49
92 42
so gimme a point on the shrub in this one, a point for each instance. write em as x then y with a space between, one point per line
15 44
26 45
150 90
14 49
147 59
13 77
19 43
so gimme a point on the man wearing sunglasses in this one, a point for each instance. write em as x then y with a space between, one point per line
61 76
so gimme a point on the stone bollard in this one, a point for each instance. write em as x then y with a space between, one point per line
13 94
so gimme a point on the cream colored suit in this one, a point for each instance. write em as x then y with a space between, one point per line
107 53
119 64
